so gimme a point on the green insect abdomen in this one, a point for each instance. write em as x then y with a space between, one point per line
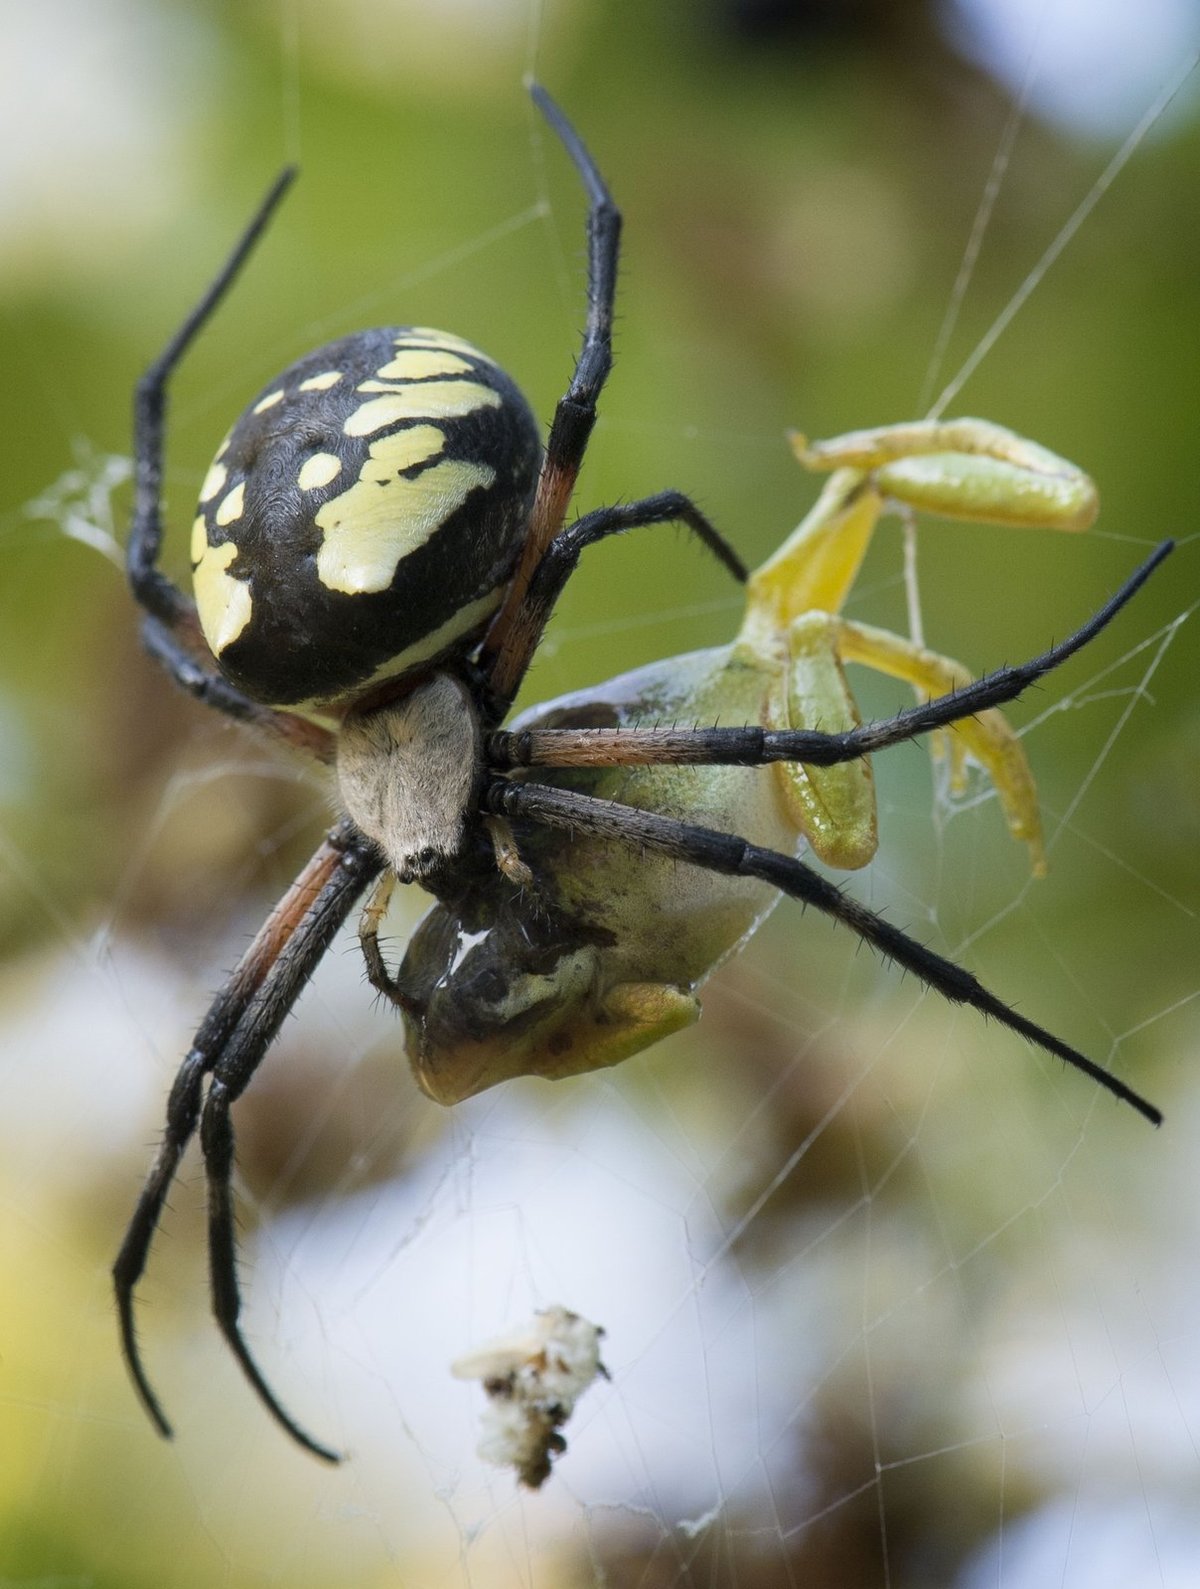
363 516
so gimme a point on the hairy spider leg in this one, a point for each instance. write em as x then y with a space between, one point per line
732 856
516 631
754 747
510 642
171 632
229 1046
561 558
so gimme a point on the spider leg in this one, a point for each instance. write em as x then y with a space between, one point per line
378 975
214 691
575 413
217 1141
517 628
755 747
562 558
172 632
503 651
183 1106
731 856
257 1029
268 978
183 1110
152 588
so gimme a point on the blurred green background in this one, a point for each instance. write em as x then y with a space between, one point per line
888 1298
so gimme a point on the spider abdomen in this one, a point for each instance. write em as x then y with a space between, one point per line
363 516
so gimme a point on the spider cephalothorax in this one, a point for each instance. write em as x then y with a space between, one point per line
379 545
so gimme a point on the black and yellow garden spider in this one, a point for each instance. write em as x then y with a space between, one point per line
379 545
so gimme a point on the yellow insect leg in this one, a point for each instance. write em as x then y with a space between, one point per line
818 563
963 469
988 737
833 807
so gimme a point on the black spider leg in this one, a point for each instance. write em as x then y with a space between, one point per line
732 856
171 631
212 690
255 1032
234 1036
562 559
152 588
508 644
755 747
517 628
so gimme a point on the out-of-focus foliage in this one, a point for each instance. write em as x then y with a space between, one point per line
798 185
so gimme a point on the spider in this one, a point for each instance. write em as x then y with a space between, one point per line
379 545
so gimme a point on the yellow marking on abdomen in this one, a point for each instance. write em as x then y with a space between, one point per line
426 336
372 525
223 602
429 400
318 470
322 382
268 401
199 539
232 506
214 480
414 364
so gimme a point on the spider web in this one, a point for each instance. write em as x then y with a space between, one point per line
888 1299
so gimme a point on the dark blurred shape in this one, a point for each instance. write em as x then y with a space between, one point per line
769 21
